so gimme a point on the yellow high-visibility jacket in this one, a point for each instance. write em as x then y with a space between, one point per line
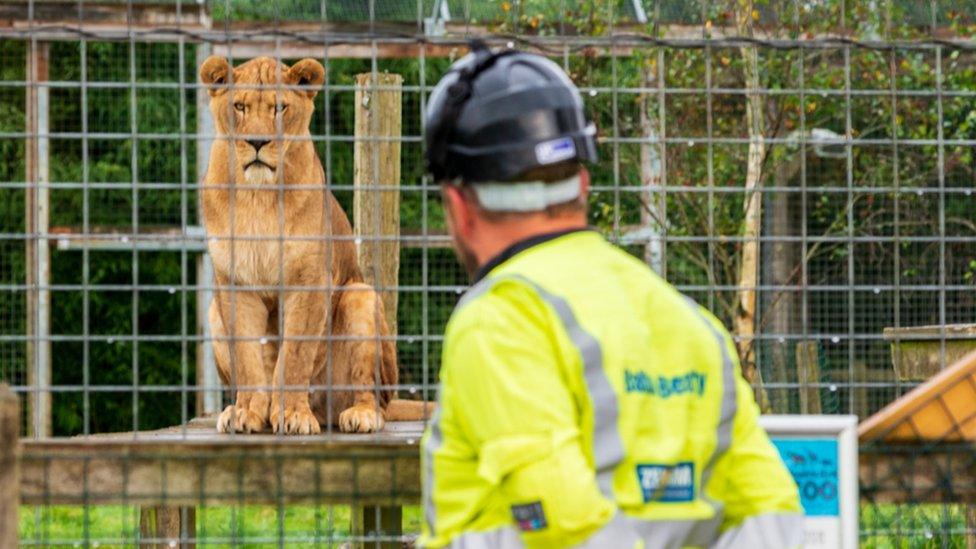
585 402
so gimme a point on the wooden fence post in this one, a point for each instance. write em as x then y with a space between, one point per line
9 467
808 376
376 199
168 526
376 219
36 216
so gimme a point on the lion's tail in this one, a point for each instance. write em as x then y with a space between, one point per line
409 410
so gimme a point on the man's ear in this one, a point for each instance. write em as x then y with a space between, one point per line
307 72
459 210
215 72
584 181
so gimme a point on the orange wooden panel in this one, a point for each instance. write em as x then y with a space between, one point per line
942 408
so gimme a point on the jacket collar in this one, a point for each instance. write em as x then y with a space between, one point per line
520 247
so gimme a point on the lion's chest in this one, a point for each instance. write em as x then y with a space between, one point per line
257 252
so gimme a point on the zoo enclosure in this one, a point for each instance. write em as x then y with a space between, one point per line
804 169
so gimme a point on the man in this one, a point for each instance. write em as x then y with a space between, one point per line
583 400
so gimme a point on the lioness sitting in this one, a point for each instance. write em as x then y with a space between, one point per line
271 224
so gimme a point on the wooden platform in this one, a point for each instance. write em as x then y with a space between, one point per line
194 465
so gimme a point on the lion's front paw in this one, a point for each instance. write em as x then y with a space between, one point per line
298 420
239 420
361 418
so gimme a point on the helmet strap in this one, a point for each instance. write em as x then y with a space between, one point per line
526 196
458 94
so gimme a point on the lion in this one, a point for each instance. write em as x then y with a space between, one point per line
285 265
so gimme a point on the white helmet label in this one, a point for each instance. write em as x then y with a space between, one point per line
556 150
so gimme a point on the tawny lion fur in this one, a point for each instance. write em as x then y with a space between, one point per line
270 218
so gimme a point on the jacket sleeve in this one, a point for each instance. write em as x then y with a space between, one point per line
516 409
762 503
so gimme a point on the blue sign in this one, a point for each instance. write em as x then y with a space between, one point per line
813 464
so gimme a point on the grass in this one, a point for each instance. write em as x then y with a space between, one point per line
882 526
217 526
908 526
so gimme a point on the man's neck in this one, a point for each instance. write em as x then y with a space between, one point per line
505 235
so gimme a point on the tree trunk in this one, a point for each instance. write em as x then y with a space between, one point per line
745 319
652 171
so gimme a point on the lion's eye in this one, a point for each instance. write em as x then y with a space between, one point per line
239 107
281 107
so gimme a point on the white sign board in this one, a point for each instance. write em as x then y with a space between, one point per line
821 454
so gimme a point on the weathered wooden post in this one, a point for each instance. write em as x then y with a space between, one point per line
36 206
168 526
376 199
808 376
9 467
376 219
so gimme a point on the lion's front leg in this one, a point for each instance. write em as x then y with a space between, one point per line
363 349
237 322
304 325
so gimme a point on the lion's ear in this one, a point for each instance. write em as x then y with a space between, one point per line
307 72
214 72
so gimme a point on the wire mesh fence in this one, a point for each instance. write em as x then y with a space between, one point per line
805 169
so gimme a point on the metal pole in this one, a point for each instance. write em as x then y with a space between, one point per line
211 400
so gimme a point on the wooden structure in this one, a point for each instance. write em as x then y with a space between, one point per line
37 258
941 410
919 353
9 467
376 175
170 471
922 447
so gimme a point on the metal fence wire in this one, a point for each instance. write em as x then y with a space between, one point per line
803 168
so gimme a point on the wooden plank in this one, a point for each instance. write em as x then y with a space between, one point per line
376 176
106 15
382 522
808 376
921 352
36 216
299 50
9 467
861 405
166 527
193 466
941 409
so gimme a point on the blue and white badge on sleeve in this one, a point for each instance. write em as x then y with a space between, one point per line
556 150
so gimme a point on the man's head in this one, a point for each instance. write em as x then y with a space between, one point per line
480 233
506 135
261 103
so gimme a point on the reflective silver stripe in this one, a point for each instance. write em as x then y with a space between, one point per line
435 440
674 534
771 531
433 444
727 412
502 538
608 449
619 532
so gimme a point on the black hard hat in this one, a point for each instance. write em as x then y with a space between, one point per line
497 115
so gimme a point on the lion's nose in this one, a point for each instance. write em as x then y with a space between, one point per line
257 144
